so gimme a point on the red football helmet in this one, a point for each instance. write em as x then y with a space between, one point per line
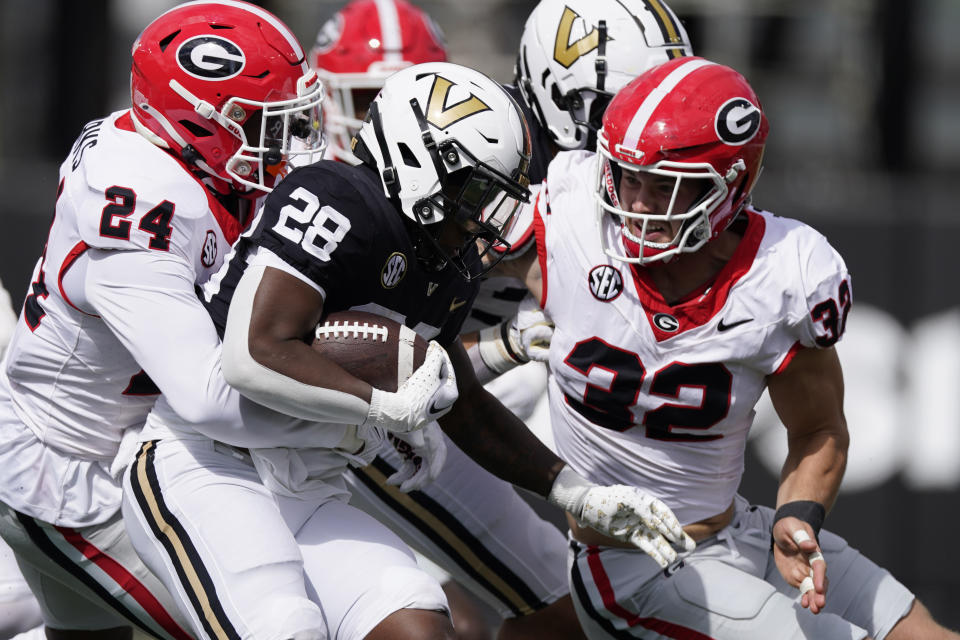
226 87
686 119
357 49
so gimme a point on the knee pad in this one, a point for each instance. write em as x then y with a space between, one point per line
727 592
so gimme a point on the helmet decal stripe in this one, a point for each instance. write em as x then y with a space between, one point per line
653 100
392 39
262 14
663 17
666 20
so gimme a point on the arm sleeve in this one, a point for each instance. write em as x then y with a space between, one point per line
268 387
148 302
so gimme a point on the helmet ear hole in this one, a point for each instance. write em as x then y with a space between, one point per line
558 98
407 156
164 43
195 129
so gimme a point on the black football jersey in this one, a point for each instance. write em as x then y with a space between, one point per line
332 222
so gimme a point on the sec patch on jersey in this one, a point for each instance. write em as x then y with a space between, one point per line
378 350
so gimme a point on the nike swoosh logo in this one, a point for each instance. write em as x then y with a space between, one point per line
727 327
456 304
673 568
434 409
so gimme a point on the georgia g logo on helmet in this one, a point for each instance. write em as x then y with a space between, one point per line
737 121
210 58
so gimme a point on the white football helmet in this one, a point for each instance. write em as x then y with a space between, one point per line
449 144
576 54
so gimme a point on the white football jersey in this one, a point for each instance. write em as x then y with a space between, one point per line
90 354
662 396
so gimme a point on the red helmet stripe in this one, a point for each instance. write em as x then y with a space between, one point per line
655 97
390 32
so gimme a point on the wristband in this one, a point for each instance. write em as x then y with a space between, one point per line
568 490
809 511
515 351
495 348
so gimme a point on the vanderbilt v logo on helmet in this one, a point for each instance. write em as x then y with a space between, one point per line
576 54
442 116
452 150
566 53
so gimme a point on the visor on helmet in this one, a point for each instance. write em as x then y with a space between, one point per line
483 202
276 134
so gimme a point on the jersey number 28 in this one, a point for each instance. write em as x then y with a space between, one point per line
327 226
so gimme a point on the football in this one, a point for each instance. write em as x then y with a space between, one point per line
378 350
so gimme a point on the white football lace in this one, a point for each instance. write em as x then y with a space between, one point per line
363 330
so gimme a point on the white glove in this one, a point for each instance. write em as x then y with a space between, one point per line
533 328
524 337
625 513
424 452
126 452
428 394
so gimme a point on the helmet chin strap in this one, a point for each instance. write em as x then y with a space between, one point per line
389 173
151 136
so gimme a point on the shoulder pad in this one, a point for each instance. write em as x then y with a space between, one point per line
130 194
822 294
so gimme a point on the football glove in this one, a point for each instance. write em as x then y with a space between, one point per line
428 394
524 337
424 452
624 513
534 329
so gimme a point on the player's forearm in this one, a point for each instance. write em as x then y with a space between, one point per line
500 442
282 372
814 466
808 397
149 304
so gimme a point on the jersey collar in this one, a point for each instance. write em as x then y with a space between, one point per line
702 304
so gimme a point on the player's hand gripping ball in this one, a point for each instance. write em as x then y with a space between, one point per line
413 380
